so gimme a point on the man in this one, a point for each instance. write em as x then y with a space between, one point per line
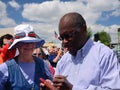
88 65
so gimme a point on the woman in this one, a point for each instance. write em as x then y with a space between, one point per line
38 52
5 53
23 71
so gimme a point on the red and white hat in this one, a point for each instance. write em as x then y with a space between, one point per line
25 33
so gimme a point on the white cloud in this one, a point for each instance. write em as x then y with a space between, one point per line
50 12
4 20
116 12
45 16
14 4
45 12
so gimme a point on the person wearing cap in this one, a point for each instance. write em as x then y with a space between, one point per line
23 71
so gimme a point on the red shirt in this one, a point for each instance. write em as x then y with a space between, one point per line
6 54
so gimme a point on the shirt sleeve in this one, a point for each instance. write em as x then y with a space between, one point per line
3 75
110 73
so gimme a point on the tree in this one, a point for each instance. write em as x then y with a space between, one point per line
105 38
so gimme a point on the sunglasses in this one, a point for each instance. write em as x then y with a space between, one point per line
36 54
23 34
67 36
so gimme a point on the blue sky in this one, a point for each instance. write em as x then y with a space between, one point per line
105 19
44 15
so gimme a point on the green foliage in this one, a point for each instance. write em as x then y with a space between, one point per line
105 38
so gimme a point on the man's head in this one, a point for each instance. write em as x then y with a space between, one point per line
73 33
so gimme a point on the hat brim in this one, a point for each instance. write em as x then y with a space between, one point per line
39 42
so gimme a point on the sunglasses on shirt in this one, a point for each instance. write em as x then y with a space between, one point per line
23 34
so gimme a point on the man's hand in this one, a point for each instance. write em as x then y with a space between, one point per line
61 83
47 83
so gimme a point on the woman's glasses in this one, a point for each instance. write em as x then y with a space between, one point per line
36 54
23 34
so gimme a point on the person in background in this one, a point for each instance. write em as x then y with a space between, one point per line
54 56
23 71
38 52
96 37
5 54
87 65
5 39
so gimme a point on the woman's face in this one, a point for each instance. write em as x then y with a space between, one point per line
5 41
37 53
26 48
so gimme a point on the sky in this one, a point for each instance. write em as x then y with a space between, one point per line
44 15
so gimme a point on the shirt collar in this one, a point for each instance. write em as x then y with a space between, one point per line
85 49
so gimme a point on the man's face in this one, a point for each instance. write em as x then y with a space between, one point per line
71 39
72 32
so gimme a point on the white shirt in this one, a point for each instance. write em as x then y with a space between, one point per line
95 67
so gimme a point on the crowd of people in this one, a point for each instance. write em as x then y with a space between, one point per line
81 63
